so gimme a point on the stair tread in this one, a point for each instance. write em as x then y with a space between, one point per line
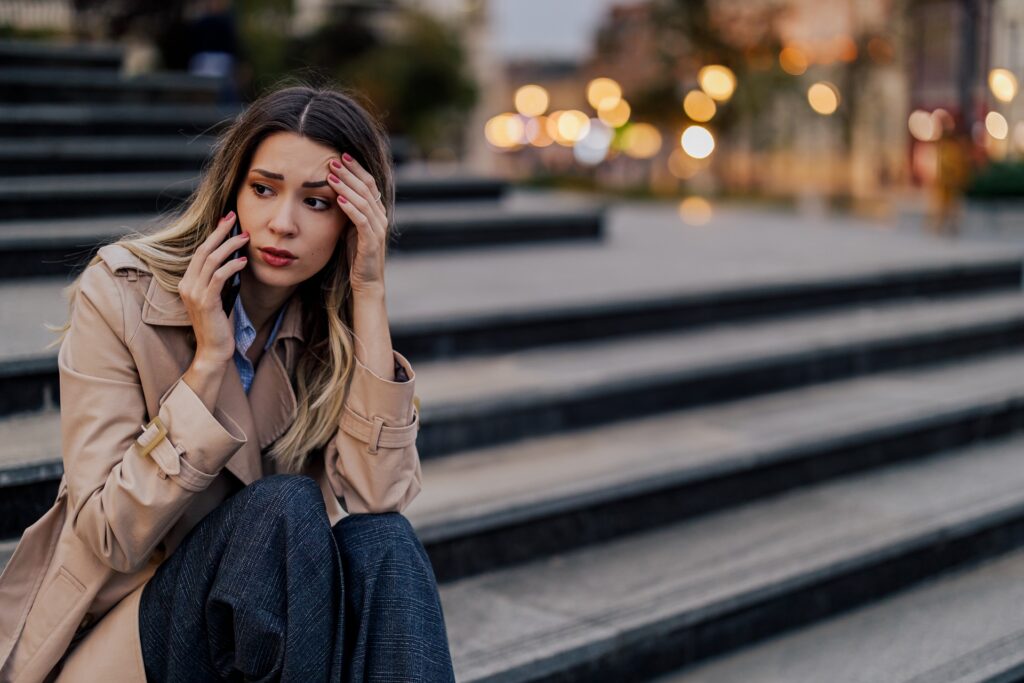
479 489
524 377
575 605
963 627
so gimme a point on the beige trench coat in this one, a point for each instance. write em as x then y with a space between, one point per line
69 595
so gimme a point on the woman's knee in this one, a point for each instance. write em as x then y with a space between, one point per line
371 534
285 493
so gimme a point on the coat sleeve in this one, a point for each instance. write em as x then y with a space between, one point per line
372 464
123 501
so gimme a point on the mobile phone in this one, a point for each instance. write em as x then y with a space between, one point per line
234 283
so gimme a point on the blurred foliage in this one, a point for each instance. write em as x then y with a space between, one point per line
415 75
999 180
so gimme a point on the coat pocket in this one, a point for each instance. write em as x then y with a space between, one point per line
57 601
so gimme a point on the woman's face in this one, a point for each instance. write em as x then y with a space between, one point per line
285 204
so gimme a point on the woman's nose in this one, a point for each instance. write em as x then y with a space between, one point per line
282 221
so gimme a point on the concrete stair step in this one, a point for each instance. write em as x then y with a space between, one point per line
45 249
105 194
23 84
51 54
102 154
501 505
652 602
83 119
476 402
963 627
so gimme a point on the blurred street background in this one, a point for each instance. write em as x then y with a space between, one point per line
715 305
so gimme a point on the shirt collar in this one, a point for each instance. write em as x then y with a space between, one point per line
245 333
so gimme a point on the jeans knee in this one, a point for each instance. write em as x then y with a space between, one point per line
368 534
285 492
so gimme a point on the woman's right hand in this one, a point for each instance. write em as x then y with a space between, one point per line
200 290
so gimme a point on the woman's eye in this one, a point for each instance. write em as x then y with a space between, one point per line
255 189
324 201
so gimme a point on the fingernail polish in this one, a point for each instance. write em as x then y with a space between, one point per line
333 178
342 199
335 163
346 157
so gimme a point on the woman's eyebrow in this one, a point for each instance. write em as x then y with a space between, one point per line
278 176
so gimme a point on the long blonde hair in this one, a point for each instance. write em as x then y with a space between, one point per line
326 115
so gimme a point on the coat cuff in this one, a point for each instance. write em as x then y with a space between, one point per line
379 412
197 443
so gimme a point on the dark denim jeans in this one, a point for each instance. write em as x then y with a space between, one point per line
263 589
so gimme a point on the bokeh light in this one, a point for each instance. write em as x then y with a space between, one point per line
695 211
531 100
537 132
615 116
996 125
573 125
683 166
823 98
603 93
641 141
718 81
697 141
505 131
593 147
698 106
845 49
792 60
923 126
1003 84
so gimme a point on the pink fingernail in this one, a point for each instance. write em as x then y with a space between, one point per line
346 157
333 178
342 199
335 163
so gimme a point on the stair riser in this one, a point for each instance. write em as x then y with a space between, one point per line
55 205
668 647
52 257
510 333
27 93
25 166
455 556
179 129
467 427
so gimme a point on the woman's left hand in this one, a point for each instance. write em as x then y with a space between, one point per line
364 245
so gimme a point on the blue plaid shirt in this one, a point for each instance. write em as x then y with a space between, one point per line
245 335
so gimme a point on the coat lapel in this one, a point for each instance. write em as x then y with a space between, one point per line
267 411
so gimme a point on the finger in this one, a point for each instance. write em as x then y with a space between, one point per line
218 234
371 209
363 185
221 253
358 171
221 275
359 219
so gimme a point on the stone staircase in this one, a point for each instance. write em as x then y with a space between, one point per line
768 449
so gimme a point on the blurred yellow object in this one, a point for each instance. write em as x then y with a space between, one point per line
504 131
793 61
573 125
923 126
697 141
823 98
641 141
682 165
695 211
615 116
996 125
537 132
1003 84
718 81
531 100
698 106
603 93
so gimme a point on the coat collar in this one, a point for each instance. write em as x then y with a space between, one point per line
268 409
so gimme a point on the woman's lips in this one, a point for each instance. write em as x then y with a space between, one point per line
275 258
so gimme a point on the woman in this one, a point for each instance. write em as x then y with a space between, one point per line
206 526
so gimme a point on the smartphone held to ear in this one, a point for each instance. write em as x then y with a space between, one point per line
234 283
